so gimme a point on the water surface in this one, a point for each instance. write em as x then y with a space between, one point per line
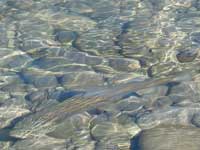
99 74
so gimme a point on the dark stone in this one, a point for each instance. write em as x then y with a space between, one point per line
170 85
143 62
127 95
5 137
63 36
135 142
186 56
149 72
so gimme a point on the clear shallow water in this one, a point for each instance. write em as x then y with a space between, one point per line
99 74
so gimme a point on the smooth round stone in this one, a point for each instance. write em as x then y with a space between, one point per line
121 64
186 56
132 104
64 36
168 138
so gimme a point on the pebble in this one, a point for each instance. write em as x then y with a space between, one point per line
121 64
186 56
64 36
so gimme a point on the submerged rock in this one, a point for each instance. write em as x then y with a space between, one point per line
186 56
98 42
41 142
113 135
168 137
122 64
37 78
64 36
169 115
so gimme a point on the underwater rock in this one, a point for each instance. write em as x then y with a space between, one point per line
130 105
167 137
186 56
186 91
97 42
171 116
41 142
121 64
150 95
48 62
38 78
113 135
161 69
65 37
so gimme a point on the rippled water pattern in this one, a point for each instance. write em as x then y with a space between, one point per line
99 74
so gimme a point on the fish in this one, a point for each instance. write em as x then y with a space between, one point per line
104 96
